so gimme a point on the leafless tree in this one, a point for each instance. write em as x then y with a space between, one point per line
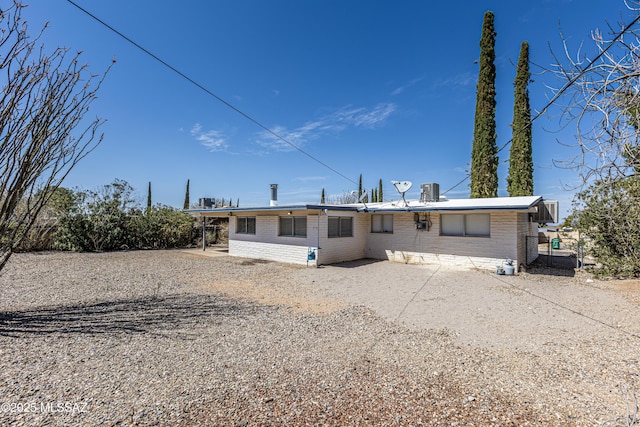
600 94
43 132
346 198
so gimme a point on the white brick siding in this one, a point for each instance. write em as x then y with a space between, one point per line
266 244
410 245
270 251
338 249
406 244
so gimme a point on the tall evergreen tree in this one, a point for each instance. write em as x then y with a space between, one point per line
149 197
360 187
380 198
484 154
187 202
322 199
520 178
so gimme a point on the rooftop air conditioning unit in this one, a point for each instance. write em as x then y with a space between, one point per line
205 203
429 192
547 212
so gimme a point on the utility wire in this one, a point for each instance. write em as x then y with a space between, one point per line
209 92
560 92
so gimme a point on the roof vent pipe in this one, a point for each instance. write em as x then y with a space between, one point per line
274 195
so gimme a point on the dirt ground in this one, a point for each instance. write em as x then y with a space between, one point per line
185 338
543 305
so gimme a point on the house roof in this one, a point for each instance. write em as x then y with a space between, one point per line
494 203
300 207
524 203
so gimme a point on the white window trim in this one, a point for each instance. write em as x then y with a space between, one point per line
464 225
382 219
246 219
340 218
294 218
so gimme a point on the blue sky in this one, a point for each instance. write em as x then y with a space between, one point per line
385 89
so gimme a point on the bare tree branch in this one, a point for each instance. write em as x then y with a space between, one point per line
43 130
603 102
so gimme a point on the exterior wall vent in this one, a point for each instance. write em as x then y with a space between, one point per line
429 192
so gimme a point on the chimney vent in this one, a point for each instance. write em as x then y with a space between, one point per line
274 195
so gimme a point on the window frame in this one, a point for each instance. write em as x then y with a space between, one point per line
245 229
342 231
465 224
383 229
293 227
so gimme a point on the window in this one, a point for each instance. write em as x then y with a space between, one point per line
340 226
295 226
382 223
473 225
246 225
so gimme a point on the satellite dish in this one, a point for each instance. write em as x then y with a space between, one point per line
361 198
402 187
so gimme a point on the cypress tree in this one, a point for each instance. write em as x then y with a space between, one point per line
149 197
484 154
187 203
520 178
322 200
380 198
360 187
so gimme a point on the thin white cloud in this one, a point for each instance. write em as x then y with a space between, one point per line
212 139
399 90
458 80
374 118
335 122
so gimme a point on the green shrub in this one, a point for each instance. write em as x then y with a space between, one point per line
609 217
109 219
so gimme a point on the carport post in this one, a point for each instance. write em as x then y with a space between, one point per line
204 233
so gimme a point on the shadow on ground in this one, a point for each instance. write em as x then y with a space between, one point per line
554 265
143 315
356 263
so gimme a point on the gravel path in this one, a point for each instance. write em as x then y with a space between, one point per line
170 338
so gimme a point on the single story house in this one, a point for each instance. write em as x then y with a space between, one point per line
475 232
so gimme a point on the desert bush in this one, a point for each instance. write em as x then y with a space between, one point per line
110 219
162 227
609 217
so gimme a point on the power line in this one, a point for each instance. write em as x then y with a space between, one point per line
560 92
209 92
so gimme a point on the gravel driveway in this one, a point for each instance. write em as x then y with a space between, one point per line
175 338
